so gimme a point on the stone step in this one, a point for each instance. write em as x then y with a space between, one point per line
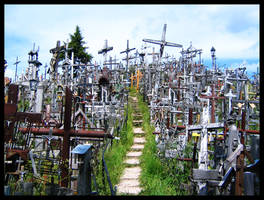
130 190
134 154
137 115
138 130
139 140
132 161
129 183
137 122
131 173
137 147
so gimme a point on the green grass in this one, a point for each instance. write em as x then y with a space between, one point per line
115 155
159 177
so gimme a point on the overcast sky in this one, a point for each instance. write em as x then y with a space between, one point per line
233 30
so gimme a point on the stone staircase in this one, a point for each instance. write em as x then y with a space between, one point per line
129 182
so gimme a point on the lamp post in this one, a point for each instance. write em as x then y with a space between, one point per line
213 58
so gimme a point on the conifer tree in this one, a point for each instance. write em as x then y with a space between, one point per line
77 45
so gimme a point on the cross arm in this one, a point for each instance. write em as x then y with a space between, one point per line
173 44
126 51
152 41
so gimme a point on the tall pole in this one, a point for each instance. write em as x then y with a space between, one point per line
16 68
45 70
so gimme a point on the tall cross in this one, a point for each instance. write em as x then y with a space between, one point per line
162 42
105 50
139 76
16 68
127 51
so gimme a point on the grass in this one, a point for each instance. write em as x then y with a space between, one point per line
115 155
159 177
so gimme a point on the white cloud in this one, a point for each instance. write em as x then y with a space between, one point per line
204 25
252 67
9 73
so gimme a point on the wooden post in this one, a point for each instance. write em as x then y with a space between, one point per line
240 175
66 138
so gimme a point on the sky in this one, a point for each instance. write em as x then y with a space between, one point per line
233 30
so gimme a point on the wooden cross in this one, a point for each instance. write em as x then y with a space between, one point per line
139 76
132 78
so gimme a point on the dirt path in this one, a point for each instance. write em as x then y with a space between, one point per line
129 182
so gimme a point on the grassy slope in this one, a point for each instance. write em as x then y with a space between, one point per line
115 155
157 178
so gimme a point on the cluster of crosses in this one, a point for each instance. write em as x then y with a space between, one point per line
215 111
65 119
78 109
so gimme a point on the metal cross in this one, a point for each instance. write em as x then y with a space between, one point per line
16 68
162 42
105 50
127 51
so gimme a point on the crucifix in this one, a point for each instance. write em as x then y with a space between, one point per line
162 42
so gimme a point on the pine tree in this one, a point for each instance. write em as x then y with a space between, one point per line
76 45
79 50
